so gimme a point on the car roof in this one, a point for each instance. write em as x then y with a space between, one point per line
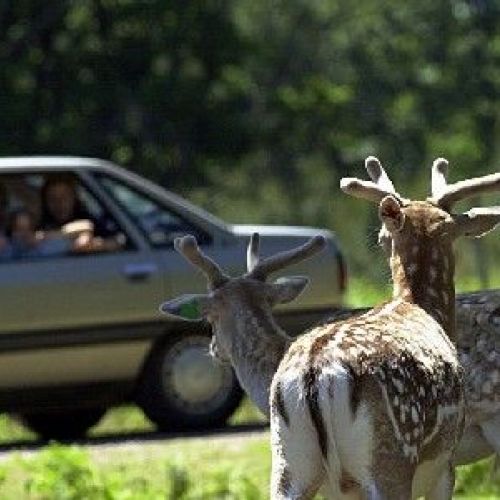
53 162
43 163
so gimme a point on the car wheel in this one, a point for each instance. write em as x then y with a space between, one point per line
182 388
63 424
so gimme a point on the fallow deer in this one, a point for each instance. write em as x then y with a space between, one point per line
245 332
477 328
239 310
478 346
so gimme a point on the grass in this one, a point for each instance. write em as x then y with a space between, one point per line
226 468
222 468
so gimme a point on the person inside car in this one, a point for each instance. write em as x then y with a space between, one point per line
63 212
24 241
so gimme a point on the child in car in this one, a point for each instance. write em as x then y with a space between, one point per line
24 241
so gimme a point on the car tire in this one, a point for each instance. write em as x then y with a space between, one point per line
182 388
63 424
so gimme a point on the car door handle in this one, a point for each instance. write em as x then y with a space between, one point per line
140 271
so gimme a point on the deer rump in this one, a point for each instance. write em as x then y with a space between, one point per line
370 392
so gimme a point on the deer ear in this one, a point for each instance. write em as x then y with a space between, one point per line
390 214
285 290
186 307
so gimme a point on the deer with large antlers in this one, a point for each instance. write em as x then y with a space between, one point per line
477 329
239 309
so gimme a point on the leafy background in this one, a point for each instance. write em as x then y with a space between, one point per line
255 109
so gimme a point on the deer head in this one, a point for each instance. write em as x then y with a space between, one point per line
475 223
446 195
419 234
246 299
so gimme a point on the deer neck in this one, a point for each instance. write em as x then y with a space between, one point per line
424 275
257 349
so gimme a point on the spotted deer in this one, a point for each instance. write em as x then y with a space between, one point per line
478 346
239 310
477 327
308 441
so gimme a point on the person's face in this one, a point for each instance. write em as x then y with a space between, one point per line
61 201
23 229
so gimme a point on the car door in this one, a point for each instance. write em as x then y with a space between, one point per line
97 290
160 223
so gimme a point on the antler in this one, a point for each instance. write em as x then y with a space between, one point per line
439 177
253 252
378 175
189 249
257 269
479 221
446 195
375 190
452 193
260 269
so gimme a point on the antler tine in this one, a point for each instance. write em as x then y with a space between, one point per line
439 177
470 187
189 249
253 252
288 258
361 189
375 190
378 175
484 218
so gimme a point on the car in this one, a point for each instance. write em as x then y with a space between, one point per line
80 331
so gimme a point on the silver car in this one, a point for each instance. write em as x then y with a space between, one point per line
80 331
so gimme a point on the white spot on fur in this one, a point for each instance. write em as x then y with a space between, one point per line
402 413
398 385
414 415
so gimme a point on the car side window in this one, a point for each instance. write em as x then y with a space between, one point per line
44 215
159 224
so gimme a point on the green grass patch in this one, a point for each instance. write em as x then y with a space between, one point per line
222 468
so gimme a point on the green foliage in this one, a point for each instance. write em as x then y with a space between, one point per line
478 479
64 473
219 469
